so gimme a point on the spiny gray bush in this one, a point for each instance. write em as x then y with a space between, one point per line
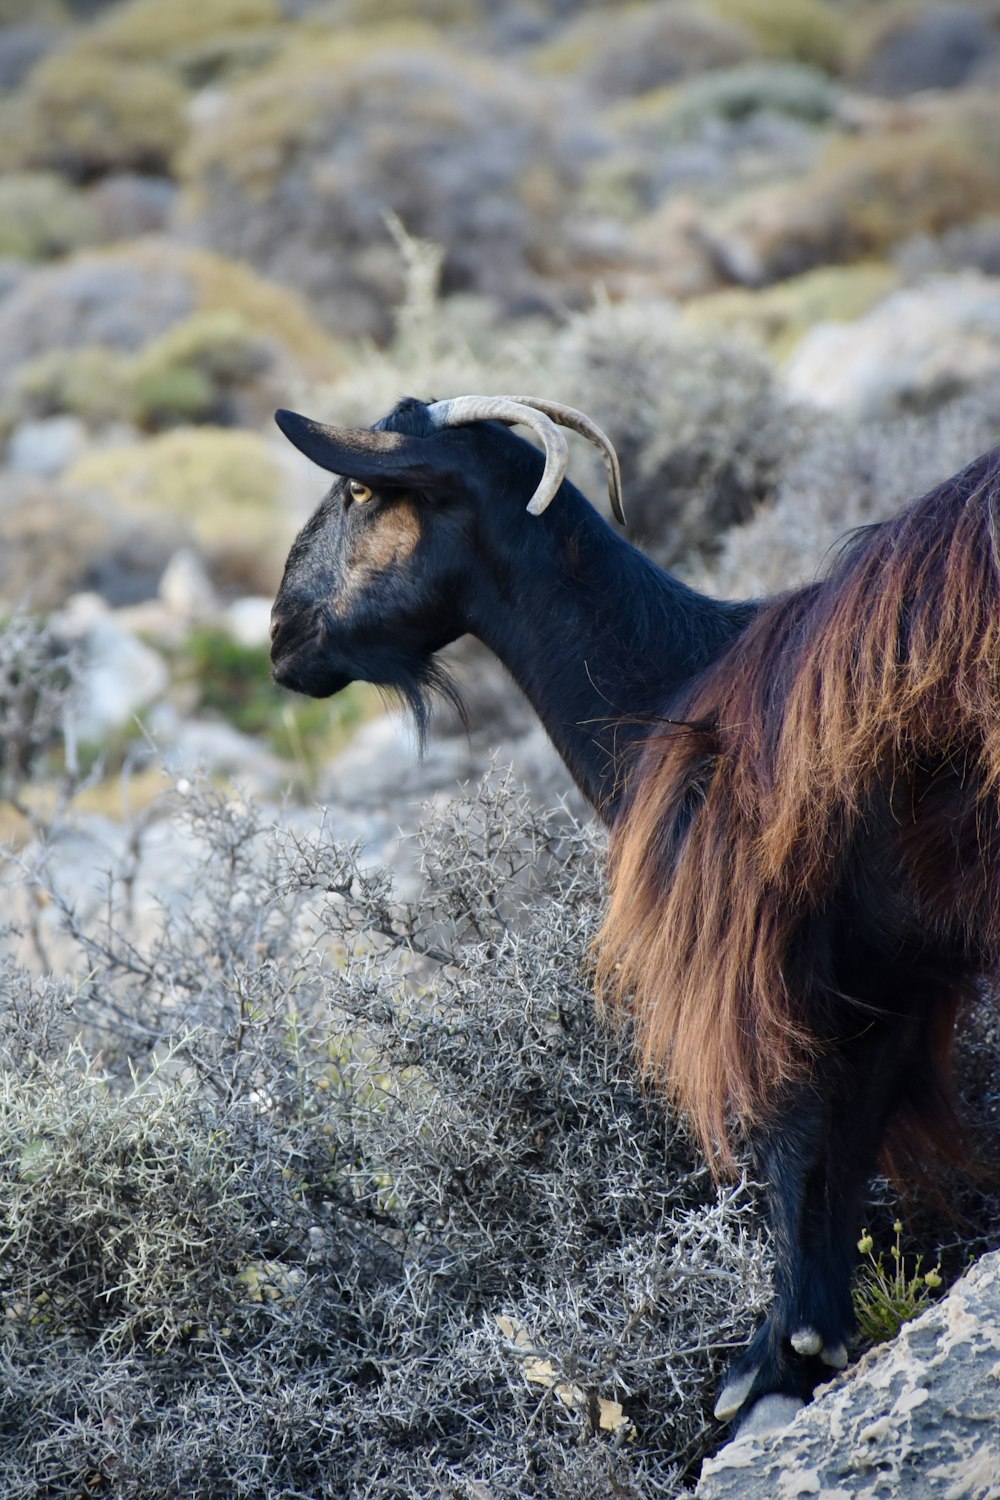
846 474
309 1191
38 674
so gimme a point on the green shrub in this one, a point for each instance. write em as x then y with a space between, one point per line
805 31
887 1297
91 382
187 373
158 30
735 94
234 681
779 315
41 216
172 395
84 114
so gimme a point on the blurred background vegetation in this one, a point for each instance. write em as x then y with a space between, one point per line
759 242
737 232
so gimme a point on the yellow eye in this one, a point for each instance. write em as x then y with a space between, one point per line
359 492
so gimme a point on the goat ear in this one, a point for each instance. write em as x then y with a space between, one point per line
360 453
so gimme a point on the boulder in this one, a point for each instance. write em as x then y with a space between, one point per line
119 675
915 1417
46 447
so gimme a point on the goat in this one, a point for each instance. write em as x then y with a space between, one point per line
802 793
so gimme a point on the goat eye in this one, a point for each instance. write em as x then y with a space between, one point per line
359 492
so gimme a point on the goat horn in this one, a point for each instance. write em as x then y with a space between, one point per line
462 409
576 421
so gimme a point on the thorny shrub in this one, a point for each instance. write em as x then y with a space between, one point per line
309 1190
38 673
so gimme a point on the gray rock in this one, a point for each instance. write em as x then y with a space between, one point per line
129 204
46 447
917 1417
248 620
186 588
119 676
190 746
381 766
942 48
21 47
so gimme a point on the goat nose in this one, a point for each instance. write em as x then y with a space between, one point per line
275 624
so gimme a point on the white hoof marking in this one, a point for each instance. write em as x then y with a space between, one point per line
807 1341
733 1395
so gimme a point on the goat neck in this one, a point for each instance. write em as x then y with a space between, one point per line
595 634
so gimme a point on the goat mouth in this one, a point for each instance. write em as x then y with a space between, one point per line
308 678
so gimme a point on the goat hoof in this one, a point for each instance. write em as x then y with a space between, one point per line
834 1355
733 1394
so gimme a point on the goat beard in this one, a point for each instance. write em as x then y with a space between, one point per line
419 688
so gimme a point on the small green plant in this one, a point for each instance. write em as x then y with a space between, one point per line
234 681
886 1297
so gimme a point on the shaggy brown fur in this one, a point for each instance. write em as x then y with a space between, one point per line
874 693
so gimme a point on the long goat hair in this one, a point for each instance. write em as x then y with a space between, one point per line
746 811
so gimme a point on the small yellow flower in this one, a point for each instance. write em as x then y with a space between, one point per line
865 1243
933 1278
898 1226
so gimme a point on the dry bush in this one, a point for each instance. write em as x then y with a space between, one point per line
298 168
313 1191
846 475
867 194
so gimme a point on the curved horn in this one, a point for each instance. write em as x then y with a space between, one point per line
528 410
577 421
462 409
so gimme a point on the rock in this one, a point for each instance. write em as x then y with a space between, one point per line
939 48
119 676
189 746
186 588
46 447
915 1417
248 620
128 204
382 766
21 47
923 345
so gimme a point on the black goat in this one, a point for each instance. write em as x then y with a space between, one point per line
803 792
